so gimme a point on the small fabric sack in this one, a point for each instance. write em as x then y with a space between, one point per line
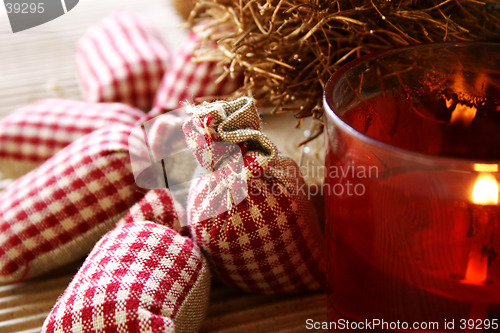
249 214
122 59
57 212
32 134
140 277
187 80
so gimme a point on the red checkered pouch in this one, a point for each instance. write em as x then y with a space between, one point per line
57 212
32 134
140 277
249 214
122 59
187 80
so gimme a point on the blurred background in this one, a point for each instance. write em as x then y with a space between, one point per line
40 62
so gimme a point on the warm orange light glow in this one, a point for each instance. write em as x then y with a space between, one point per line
449 102
463 114
480 167
485 190
477 268
481 81
459 83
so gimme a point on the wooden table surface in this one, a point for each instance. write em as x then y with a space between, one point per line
39 63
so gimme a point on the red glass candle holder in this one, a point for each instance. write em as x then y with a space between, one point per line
412 173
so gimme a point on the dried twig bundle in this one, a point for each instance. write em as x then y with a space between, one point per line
289 48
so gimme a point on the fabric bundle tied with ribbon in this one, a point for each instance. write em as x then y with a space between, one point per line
257 229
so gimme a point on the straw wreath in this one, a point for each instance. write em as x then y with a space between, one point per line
289 48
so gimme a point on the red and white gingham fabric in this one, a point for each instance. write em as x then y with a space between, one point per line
55 214
140 277
187 80
122 59
159 206
32 134
269 242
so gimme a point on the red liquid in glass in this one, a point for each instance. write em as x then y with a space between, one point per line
400 247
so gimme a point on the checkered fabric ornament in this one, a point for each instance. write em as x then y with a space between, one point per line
158 205
57 212
32 134
187 80
267 241
140 277
122 59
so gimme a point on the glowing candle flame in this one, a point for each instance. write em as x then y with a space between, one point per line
482 167
485 190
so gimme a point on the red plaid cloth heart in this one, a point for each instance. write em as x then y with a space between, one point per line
55 214
140 277
187 80
122 59
32 134
267 241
